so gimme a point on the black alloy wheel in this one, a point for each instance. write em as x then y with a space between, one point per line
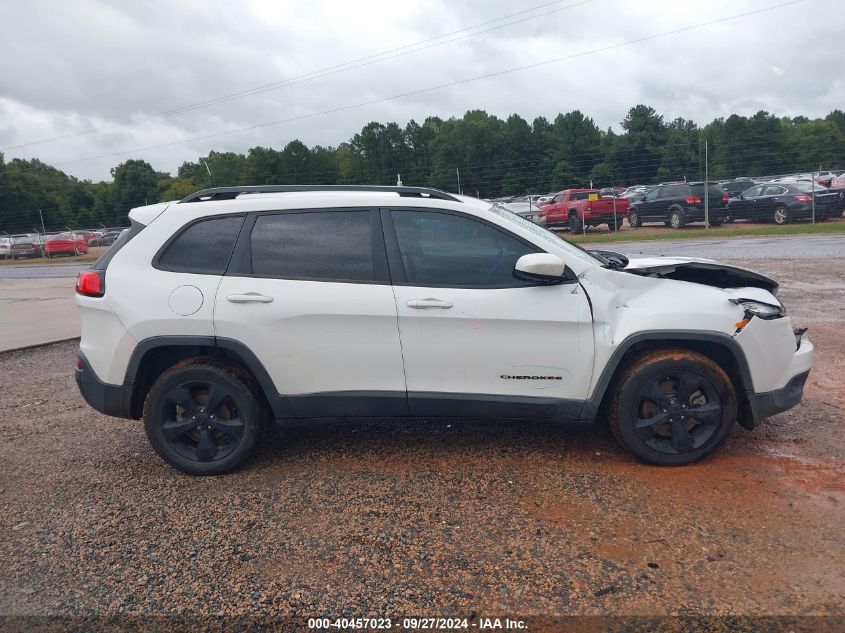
672 407
201 421
677 413
203 418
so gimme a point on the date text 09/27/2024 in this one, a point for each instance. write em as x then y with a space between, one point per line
416 624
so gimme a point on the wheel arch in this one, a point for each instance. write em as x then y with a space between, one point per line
720 348
155 355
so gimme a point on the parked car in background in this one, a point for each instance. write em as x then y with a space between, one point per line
679 204
5 247
65 244
736 186
545 199
26 245
613 192
577 208
636 193
105 239
780 202
524 206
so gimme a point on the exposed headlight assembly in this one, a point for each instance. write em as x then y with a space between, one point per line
766 311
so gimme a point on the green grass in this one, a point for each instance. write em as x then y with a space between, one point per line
635 235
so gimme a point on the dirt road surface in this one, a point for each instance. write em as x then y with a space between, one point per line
453 518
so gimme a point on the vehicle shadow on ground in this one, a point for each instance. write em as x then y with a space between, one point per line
402 440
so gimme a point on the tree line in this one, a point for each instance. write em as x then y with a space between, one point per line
488 156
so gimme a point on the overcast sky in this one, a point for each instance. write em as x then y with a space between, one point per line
67 67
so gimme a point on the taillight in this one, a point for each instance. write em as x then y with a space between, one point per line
694 200
725 197
79 365
91 283
800 197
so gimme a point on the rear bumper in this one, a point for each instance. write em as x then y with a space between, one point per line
604 218
113 400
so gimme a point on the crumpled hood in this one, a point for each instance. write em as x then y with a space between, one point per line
698 270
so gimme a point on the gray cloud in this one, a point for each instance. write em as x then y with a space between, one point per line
69 67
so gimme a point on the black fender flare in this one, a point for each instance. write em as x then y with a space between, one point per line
723 341
279 403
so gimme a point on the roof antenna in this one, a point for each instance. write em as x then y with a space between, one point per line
213 184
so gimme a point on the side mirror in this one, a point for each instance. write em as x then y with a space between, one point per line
542 268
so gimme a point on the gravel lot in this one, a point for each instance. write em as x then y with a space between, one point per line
461 519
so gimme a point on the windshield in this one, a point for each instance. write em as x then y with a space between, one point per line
546 235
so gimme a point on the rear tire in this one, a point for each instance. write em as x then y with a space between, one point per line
614 225
202 418
672 407
781 216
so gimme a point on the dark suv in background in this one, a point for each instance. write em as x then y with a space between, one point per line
678 204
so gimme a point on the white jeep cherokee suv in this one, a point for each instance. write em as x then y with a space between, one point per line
242 304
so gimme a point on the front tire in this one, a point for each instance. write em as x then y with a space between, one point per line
575 225
672 407
202 418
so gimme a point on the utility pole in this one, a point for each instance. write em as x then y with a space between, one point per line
458 172
706 190
43 230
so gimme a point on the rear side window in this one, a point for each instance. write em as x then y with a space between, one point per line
674 191
203 247
321 245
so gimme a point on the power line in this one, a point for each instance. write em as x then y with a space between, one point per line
401 51
443 85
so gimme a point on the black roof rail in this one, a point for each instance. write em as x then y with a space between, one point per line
228 193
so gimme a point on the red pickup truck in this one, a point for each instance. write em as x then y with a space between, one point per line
577 208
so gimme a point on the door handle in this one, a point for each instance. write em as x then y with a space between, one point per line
428 303
249 297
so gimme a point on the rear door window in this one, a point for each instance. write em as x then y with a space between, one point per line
321 246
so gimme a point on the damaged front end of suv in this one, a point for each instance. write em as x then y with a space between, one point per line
730 313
